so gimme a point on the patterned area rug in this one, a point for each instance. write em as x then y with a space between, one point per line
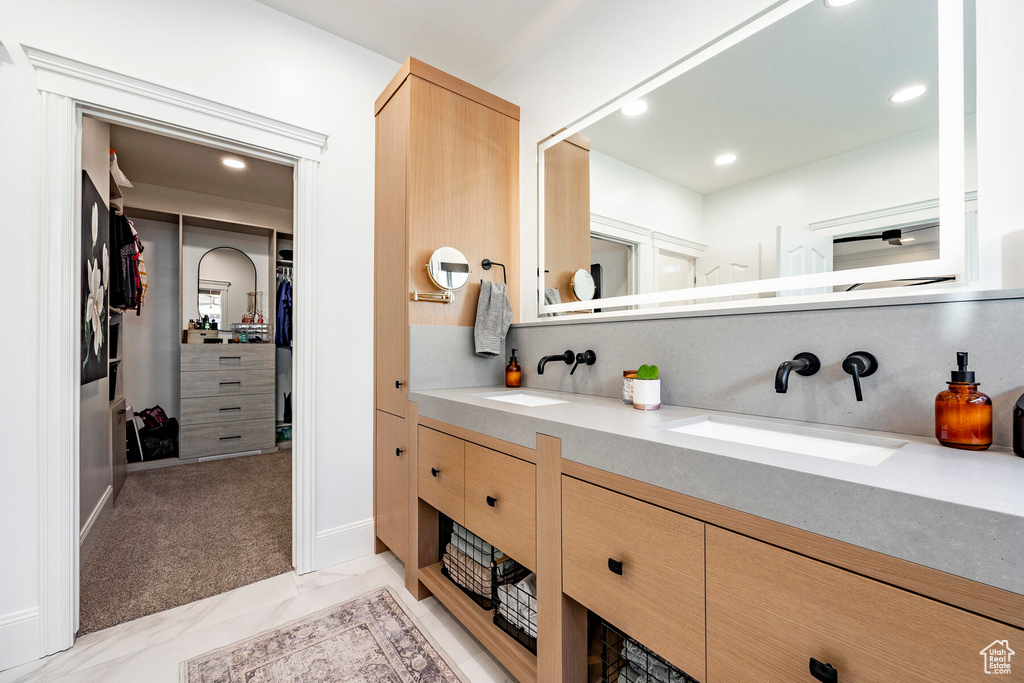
370 639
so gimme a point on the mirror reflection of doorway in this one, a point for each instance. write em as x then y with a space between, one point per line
613 264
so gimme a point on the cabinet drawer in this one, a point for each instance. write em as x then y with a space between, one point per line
770 611
510 524
227 408
391 483
226 383
659 597
215 438
195 357
441 477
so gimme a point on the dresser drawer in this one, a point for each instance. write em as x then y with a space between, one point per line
501 502
441 477
226 383
658 598
769 611
203 357
391 483
227 408
216 438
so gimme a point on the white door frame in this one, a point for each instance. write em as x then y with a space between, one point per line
68 89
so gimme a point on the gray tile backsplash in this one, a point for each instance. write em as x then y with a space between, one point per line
443 357
728 362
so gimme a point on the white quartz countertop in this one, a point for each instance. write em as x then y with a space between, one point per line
953 510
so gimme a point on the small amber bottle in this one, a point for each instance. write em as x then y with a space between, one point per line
963 415
513 373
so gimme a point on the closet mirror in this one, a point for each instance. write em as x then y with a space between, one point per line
226 276
818 149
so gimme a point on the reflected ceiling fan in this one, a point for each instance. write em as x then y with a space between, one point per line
893 237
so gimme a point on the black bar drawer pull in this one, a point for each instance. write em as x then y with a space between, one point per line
434 471
231 358
491 500
399 384
122 411
615 566
239 383
399 451
823 672
230 438
235 408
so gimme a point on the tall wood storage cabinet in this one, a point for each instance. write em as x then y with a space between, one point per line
447 174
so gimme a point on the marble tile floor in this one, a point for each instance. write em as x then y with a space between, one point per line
150 649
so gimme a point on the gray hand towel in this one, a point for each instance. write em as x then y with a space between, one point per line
551 296
493 318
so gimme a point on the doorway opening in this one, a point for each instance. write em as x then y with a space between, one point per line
185 419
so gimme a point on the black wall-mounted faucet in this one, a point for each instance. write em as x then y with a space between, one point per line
805 364
588 357
860 364
568 357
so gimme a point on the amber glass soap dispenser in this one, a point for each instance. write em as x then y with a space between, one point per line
513 373
963 415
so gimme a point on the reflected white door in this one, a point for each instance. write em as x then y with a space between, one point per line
801 251
727 267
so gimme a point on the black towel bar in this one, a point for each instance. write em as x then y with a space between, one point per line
487 263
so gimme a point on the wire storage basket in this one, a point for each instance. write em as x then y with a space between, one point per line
470 563
515 603
624 660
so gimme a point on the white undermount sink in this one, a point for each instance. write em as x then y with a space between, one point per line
521 398
819 443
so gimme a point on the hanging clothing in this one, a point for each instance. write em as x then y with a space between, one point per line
283 334
126 287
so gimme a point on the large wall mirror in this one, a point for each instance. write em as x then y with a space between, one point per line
822 148
226 276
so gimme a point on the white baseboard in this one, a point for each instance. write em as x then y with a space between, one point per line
344 543
87 539
19 637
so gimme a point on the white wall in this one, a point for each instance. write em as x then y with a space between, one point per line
628 194
895 172
150 369
604 47
246 55
173 200
94 464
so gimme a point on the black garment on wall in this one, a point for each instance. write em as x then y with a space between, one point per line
124 250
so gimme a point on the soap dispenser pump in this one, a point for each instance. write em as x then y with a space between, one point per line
963 415
513 373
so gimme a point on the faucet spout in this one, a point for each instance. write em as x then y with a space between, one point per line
568 357
805 364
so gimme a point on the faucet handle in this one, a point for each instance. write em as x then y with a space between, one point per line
860 364
588 357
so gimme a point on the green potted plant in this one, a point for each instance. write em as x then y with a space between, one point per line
647 388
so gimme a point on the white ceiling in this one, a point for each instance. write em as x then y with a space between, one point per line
168 162
472 39
813 85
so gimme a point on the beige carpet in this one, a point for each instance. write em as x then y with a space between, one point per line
371 639
182 533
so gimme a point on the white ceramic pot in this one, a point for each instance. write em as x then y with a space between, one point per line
646 394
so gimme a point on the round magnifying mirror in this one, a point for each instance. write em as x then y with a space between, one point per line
448 269
582 285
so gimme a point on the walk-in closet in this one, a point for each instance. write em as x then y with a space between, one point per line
185 421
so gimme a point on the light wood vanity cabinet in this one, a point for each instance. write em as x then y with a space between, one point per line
639 566
769 611
501 502
442 473
391 465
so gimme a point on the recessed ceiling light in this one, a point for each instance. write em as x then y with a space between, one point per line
234 163
634 108
839 3
908 94
723 159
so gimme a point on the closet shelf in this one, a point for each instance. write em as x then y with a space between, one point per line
284 424
114 360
